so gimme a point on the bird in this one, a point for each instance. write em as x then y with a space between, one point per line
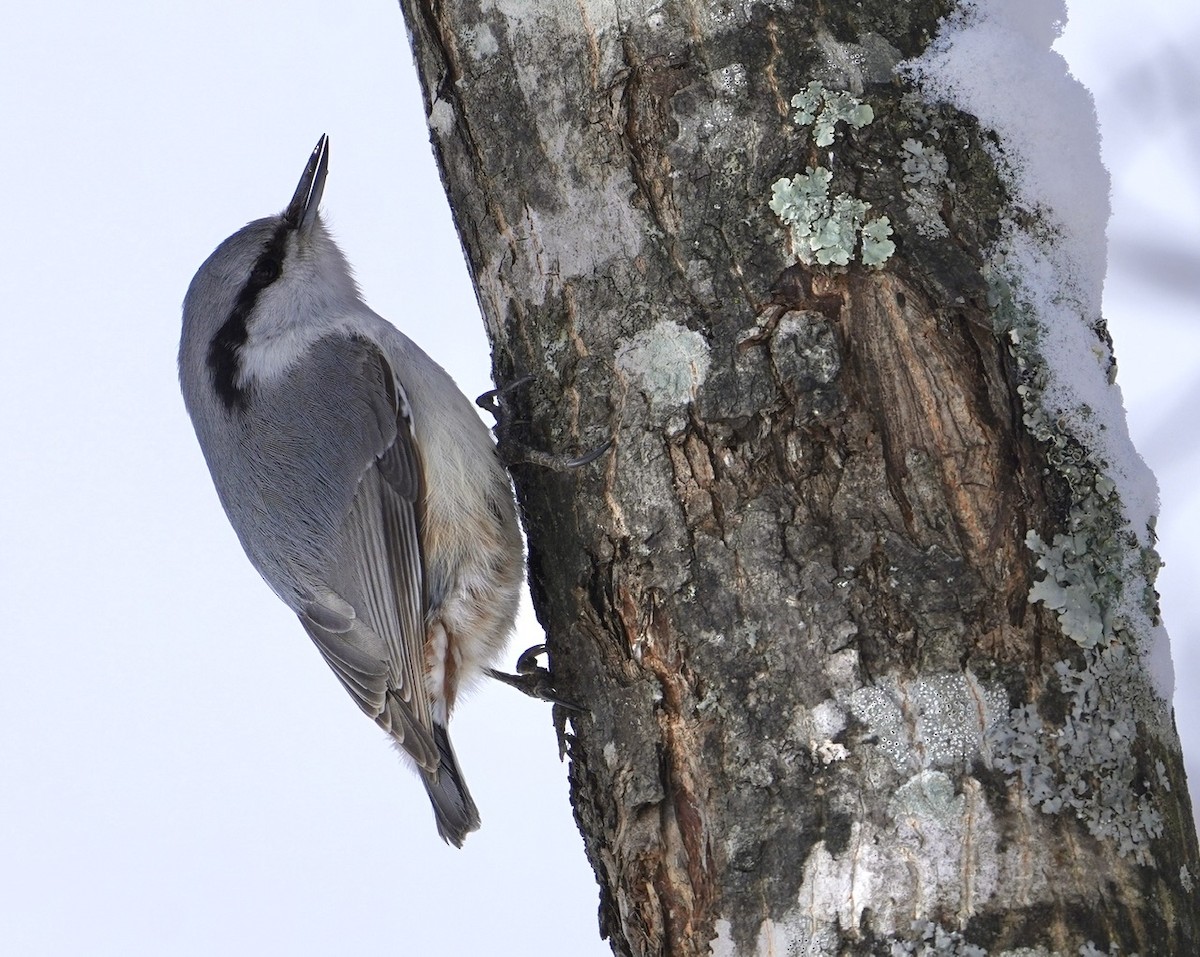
360 481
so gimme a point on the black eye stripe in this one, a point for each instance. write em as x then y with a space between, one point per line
265 272
224 351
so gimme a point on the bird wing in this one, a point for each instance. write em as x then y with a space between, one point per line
370 626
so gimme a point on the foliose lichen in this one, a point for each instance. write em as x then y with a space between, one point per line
1084 563
823 109
926 177
827 228
1087 766
1070 588
876 247
933 940
1089 949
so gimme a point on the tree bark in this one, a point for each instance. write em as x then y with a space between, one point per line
822 714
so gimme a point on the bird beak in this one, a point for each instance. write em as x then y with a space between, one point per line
301 212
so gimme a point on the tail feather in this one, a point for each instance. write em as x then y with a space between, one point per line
453 807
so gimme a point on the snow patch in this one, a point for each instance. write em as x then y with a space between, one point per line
993 59
441 118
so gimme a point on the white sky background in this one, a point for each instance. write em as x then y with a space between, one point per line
179 772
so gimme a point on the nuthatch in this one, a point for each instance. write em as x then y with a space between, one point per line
359 479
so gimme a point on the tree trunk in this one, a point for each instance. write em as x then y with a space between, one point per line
839 700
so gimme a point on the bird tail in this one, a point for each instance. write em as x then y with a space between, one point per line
453 807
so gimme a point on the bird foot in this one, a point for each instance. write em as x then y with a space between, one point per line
534 680
516 453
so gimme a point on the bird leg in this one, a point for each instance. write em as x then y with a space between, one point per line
556 463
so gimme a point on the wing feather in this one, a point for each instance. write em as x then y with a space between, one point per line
377 572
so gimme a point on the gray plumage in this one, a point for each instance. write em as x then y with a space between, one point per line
359 479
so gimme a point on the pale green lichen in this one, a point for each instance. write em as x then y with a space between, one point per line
823 228
926 177
823 109
876 247
826 228
933 940
1070 588
1088 765
668 364
928 795
1084 565
923 164
1090 949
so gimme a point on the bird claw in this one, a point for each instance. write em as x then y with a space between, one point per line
488 401
527 663
534 680
556 463
515 453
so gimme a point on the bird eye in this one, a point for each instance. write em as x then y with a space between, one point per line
265 271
